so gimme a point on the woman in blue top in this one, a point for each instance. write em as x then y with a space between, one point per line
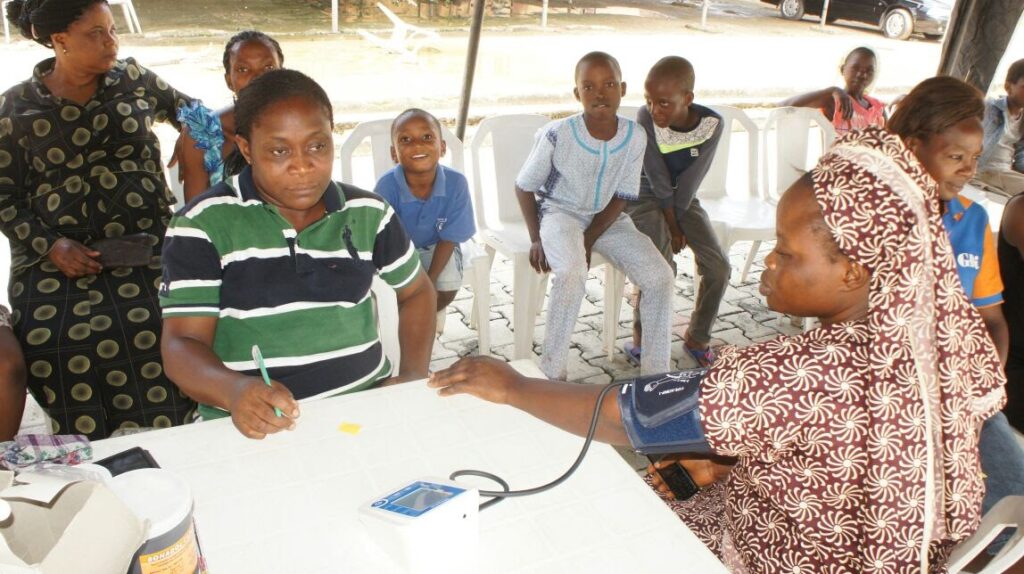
208 151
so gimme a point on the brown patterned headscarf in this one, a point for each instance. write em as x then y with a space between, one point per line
932 363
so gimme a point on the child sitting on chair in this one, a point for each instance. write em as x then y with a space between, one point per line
1002 161
431 200
572 189
850 107
682 138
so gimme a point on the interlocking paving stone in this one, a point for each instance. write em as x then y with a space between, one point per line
743 320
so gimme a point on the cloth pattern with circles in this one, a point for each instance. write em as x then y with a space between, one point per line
5 317
857 442
88 172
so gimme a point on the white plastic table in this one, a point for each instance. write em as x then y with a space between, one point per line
289 503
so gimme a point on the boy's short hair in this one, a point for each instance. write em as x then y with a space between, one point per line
414 113
598 57
1015 73
863 51
676 68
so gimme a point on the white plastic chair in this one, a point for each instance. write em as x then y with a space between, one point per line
3 16
386 303
746 214
130 15
405 39
1007 513
785 137
476 265
379 134
512 138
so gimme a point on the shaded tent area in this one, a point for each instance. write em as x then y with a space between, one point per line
979 32
978 35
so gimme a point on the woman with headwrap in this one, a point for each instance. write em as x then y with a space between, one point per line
856 442
84 204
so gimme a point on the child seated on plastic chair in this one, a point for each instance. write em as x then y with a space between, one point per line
572 190
432 201
1002 163
682 137
850 107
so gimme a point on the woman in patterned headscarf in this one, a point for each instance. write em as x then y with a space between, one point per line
80 163
856 442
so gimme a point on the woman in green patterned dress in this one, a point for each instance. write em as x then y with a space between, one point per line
79 166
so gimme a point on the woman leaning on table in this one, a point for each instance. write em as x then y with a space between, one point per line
79 163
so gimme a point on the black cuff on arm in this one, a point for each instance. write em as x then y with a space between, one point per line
661 413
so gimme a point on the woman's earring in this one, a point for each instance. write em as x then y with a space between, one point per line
64 49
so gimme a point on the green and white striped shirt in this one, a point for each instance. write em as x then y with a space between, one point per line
303 297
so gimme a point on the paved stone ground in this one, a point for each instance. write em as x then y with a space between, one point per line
743 319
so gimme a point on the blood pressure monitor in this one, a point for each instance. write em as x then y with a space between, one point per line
428 525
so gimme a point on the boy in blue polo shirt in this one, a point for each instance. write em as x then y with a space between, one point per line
431 200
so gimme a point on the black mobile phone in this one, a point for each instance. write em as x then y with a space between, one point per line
131 459
678 480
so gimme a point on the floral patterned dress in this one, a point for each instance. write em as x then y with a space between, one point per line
857 442
87 172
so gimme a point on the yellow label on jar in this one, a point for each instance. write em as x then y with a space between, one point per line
178 558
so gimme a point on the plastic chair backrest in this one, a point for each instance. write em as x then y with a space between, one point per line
386 305
512 138
792 128
1007 513
628 112
379 134
716 180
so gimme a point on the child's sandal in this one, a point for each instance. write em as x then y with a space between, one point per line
632 353
704 357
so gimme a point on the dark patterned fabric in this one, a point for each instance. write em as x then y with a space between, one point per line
857 442
87 172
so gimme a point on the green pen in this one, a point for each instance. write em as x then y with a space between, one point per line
258 357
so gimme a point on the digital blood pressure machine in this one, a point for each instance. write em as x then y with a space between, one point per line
428 525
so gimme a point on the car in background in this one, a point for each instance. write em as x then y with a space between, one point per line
896 18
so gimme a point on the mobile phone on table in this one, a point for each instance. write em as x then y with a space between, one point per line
676 478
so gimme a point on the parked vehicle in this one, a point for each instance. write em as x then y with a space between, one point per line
896 18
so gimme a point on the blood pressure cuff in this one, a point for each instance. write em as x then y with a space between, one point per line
661 413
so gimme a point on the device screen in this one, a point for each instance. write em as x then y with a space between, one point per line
422 499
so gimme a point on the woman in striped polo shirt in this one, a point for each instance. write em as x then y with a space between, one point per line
286 266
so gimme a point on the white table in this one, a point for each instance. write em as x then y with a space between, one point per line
289 503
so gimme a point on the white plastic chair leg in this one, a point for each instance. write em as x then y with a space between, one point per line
128 18
134 17
481 314
523 307
7 25
614 285
1007 513
750 261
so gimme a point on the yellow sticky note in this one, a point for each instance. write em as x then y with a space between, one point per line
350 428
